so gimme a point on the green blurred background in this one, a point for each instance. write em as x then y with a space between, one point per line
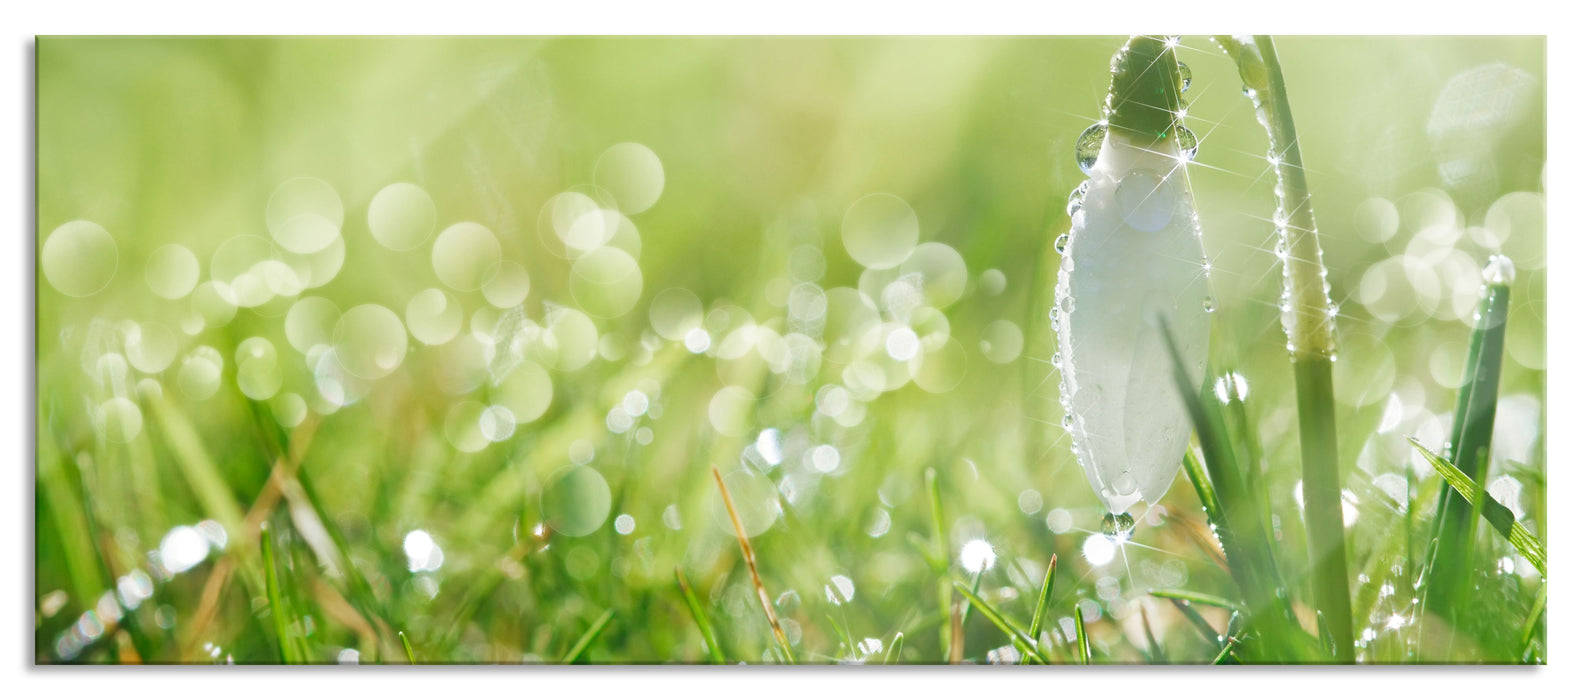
1425 155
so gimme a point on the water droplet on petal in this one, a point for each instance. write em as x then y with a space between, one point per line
1061 241
1208 304
1117 526
1187 142
1088 145
1186 75
1074 203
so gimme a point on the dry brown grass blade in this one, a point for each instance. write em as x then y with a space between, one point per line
752 568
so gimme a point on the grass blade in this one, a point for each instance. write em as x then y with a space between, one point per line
941 560
1242 536
1471 433
1084 652
1036 627
1192 597
586 640
1202 626
406 646
710 642
1534 619
1498 516
752 568
278 611
1023 643
1321 508
894 653
1156 655
1308 318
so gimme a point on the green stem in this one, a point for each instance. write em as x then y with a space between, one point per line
1321 509
1309 325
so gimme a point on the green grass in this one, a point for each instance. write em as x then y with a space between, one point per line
766 145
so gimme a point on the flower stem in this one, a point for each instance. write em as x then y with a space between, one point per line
1308 318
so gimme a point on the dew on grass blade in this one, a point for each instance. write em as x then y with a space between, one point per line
879 231
576 502
401 216
1499 270
1186 75
79 258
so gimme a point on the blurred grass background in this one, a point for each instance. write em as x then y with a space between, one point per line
765 144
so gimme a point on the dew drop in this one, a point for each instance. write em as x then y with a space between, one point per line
1088 145
1068 304
1117 526
1208 304
1499 270
1074 203
1061 241
1068 422
1187 141
1186 75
